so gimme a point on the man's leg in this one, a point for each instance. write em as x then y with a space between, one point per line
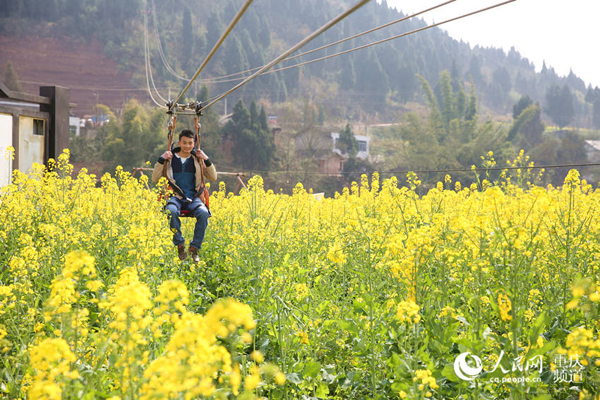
201 213
174 211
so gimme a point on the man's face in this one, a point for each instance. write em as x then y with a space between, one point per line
186 144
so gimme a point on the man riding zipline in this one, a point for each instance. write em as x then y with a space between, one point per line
185 170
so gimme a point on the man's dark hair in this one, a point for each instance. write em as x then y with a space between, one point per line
186 133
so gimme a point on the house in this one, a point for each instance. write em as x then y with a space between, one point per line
363 145
75 125
592 149
323 147
37 127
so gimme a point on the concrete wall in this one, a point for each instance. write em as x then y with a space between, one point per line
31 142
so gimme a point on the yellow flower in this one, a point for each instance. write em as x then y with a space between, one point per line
280 378
257 356
505 306
336 254
252 382
408 311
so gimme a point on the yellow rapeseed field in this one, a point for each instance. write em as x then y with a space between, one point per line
487 291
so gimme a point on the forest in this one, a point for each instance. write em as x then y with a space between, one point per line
439 93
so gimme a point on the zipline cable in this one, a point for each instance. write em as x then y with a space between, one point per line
160 49
388 39
218 80
148 66
232 24
290 51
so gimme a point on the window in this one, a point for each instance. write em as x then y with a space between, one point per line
38 127
335 144
362 145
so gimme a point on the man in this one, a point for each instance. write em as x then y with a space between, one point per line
185 172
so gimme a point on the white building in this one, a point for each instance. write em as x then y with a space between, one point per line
363 145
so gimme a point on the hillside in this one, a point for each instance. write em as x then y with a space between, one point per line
91 76
377 81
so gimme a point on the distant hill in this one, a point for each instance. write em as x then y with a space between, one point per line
378 80
92 77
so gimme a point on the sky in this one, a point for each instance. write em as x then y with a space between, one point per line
563 33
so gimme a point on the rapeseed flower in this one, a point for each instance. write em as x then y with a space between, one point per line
408 311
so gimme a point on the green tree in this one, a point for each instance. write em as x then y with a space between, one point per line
253 144
321 117
407 84
11 79
214 29
372 82
347 142
348 75
559 105
527 128
522 104
264 34
471 111
570 151
592 96
187 39
235 57
134 139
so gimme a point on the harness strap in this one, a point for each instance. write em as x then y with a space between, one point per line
200 192
172 123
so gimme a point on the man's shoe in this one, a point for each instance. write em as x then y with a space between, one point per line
181 252
194 253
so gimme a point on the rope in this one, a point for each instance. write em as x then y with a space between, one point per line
232 24
291 50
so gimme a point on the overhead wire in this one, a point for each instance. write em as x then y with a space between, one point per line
219 79
291 50
216 46
431 171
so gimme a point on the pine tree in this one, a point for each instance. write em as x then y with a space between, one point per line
11 79
559 105
522 104
253 143
471 112
264 35
347 142
187 39
348 76
235 57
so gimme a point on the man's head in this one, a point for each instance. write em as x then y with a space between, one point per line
186 141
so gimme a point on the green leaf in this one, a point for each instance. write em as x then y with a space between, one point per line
449 373
294 378
322 390
311 369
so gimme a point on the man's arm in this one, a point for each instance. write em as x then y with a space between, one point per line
157 172
210 172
